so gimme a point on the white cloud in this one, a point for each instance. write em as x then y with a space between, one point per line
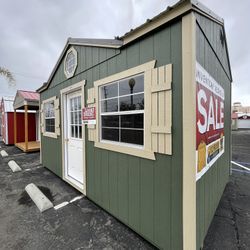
33 33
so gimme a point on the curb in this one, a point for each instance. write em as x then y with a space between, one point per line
4 153
14 166
41 201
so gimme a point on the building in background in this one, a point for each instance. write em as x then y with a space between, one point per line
241 116
237 107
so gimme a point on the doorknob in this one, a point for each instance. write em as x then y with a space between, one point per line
66 140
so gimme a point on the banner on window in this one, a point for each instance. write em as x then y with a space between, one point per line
89 115
210 138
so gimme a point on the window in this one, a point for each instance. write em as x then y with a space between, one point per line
70 62
49 115
121 106
75 119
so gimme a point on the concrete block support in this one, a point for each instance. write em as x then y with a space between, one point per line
14 166
41 201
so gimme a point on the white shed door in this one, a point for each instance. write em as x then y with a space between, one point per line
74 167
244 123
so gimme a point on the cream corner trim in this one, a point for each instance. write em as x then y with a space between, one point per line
189 131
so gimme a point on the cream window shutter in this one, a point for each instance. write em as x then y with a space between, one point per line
57 116
91 102
42 124
161 109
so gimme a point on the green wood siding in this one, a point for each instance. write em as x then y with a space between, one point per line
146 195
211 186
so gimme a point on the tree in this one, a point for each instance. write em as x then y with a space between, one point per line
7 74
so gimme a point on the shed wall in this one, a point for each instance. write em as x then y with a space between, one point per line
212 55
144 194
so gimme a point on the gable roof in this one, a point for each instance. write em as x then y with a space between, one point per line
179 9
24 97
8 103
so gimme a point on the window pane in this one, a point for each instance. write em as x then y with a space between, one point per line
49 109
80 131
71 105
76 131
110 121
76 120
50 125
79 117
110 105
79 103
72 131
132 136
133 102
132 121
110 134
131 85
110 90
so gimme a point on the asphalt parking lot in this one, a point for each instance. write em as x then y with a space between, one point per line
79 225
230 228
84 225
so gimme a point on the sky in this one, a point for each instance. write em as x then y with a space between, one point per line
34 32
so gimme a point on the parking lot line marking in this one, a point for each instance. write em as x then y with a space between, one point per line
14 166
63 204
36 167
4 153
77 198
241 166
241 171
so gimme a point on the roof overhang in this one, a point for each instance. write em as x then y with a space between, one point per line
20 102
179 9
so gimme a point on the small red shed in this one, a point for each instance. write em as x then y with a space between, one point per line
7 123
27 102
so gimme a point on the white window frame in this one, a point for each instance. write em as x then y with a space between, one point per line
46 133
133 149
120 113
70 74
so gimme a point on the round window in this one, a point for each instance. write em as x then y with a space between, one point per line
70 62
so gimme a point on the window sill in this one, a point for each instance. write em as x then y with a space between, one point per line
50 134
142 153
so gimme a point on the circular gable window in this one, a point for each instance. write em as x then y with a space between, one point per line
70 62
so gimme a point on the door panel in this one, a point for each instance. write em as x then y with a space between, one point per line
74 167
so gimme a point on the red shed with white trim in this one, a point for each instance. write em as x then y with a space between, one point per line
7 123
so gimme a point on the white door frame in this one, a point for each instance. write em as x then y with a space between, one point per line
73 88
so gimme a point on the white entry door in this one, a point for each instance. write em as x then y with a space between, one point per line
74 162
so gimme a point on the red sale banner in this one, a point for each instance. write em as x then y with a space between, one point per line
209 121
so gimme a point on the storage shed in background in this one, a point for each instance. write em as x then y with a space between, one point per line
155 151
27 102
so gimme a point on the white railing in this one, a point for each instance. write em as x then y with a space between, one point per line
241 166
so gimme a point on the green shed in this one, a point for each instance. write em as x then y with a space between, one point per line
141 123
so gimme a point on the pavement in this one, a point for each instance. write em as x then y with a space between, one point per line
79 225
230 228
84 225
